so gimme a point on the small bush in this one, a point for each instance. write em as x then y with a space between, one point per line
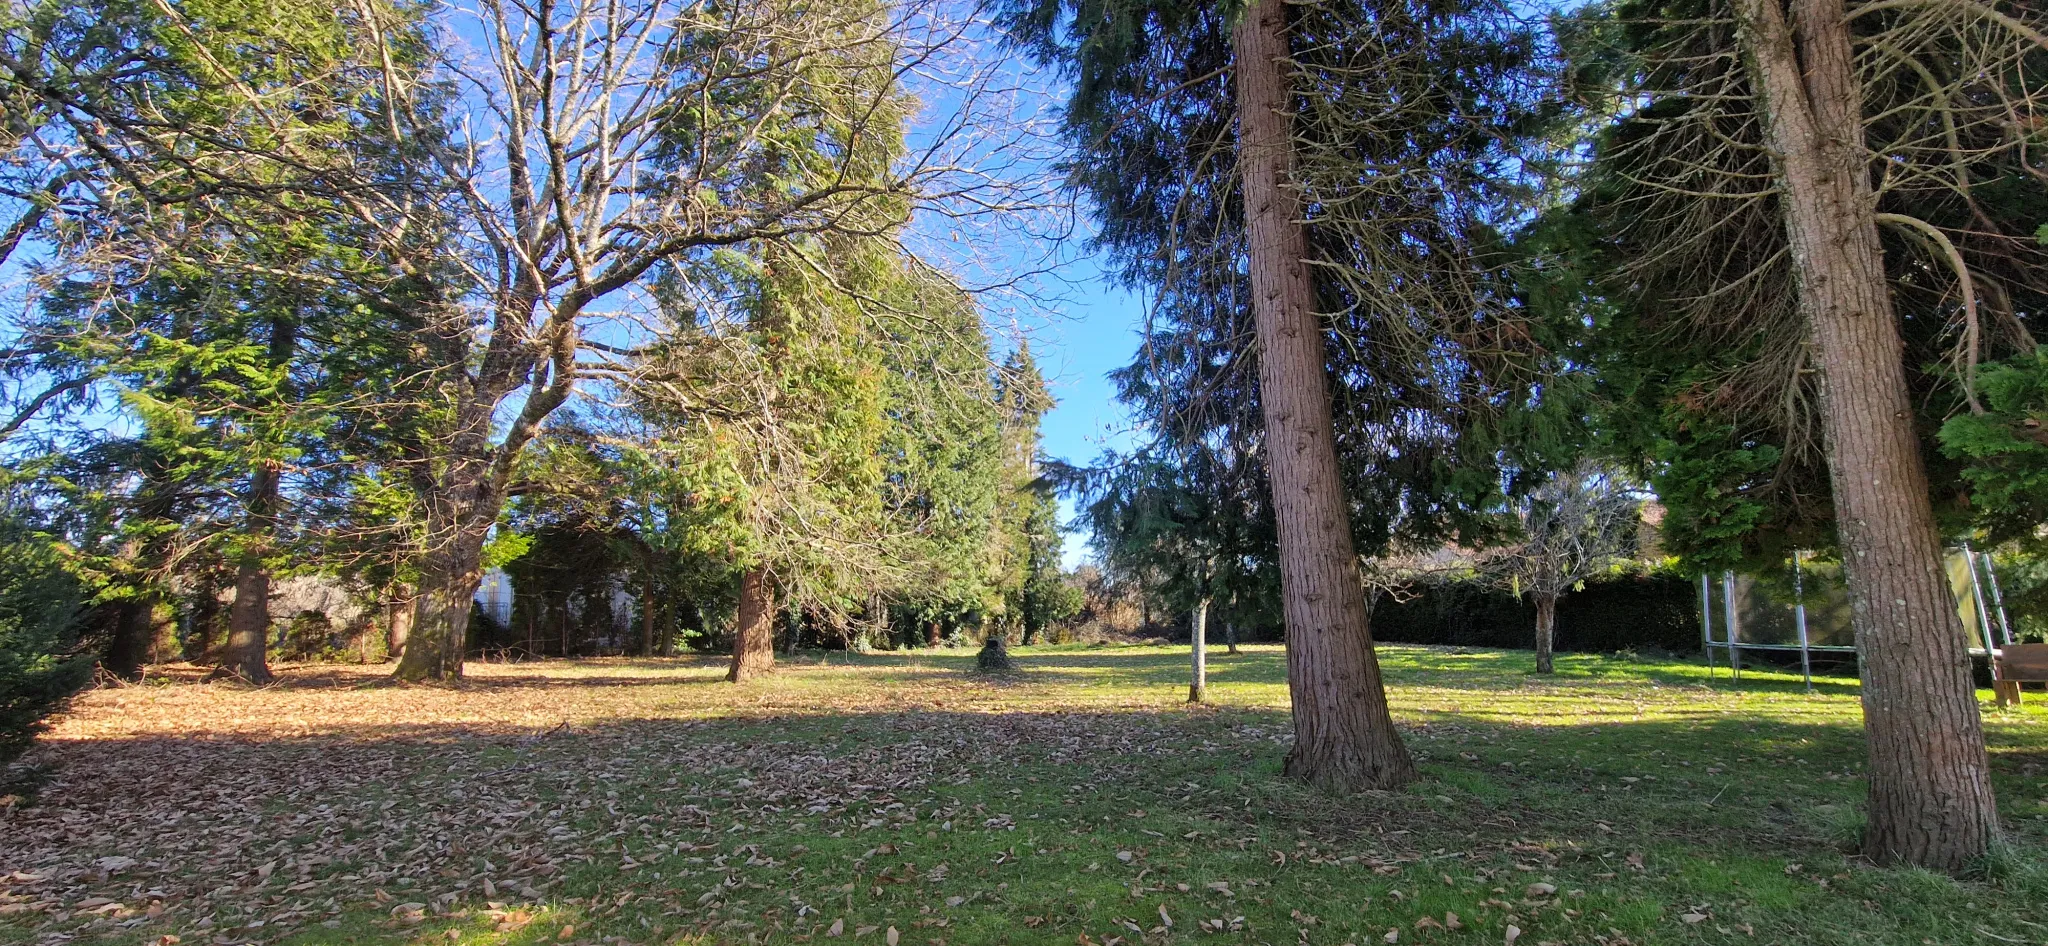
994 656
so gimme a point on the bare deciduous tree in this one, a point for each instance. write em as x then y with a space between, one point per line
583 146
1579 523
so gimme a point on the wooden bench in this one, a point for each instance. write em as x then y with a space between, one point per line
2017 664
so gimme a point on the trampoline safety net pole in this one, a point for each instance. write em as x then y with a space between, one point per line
1799 617
1731 627
1997 601
1707 622
1977 597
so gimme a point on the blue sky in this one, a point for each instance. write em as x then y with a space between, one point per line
1089 333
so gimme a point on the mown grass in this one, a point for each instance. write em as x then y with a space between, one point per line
1622 801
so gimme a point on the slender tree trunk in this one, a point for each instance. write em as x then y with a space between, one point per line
249 619
877 627
1344 737
753 637
1198 653
1230 636
647 606
1930 791
1546 629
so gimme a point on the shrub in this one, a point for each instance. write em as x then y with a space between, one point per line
41 602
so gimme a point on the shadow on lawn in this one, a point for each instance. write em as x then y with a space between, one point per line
1562 791
1764 788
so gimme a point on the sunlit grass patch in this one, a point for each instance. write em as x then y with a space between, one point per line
1079 800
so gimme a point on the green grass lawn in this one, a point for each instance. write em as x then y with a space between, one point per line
1622 801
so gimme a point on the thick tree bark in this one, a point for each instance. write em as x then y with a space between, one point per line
398 617
450 572
1198 653
246 655
247 651
462 503
1344 737
1930 791
1546 630
932 638
753 637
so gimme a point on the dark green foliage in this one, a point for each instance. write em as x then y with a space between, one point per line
1181 525
1408 114
41 603
2023 586
2005 449
2004 452
1684 309
1046 598
562 593
1658 611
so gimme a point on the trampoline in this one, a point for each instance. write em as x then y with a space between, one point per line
1816 619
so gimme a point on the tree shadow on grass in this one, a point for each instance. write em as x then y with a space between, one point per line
410 808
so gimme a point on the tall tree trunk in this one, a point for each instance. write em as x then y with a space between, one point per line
249 620
1198 653
932 637
753 637
1546 629
134 629
398 611
1344 737
462 503
1930 791
1230 635
247 652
